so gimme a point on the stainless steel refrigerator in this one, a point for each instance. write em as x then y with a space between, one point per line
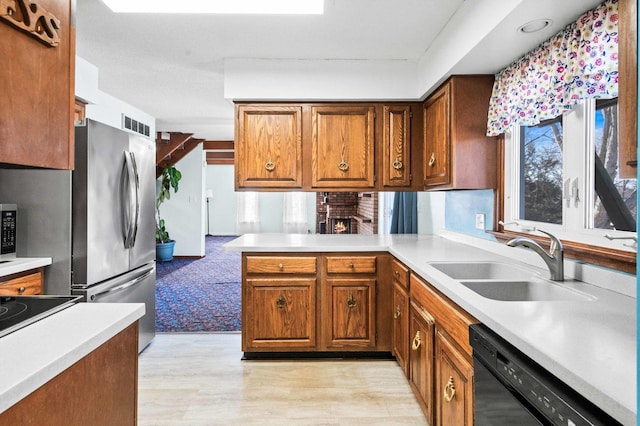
113 227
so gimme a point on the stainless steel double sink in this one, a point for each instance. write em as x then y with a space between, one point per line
506 282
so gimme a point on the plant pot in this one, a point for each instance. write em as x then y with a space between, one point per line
164 251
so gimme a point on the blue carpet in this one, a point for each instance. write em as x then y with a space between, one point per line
200 295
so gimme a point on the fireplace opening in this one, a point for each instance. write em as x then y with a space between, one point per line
340 226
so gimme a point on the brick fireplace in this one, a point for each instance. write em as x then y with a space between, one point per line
346 213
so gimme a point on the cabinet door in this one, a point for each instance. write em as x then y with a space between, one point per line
437 138
37 74
421 332
454 384
397 146
269 146
349 313
342 146
401 326
279 313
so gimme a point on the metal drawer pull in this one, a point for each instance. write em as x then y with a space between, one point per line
270 166
351 265
449 390
417 341
351 302
432 160
281 302
280 266
397 273
397 313
22 289
397 164
343 166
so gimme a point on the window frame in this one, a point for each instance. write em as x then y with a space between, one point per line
582 244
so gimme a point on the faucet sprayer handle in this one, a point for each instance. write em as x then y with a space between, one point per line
556 245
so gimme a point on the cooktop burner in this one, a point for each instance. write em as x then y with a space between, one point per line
19 311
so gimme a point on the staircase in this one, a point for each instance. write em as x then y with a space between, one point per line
171 147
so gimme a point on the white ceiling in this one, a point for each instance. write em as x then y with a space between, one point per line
172 66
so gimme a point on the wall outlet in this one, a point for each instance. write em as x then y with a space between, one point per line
480 221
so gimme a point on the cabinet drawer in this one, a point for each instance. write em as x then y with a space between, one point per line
351 265
446 313
21 284
280 265
400 273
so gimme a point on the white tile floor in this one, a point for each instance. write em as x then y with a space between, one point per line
200 379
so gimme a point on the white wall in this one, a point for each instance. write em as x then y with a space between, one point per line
101 106
184 213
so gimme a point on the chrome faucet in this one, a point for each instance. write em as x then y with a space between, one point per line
554 259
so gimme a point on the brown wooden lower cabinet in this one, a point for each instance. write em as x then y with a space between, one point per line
315 302
421 358
454 384
401 326
23 283
99 389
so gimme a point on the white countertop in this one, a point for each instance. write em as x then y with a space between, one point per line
590 345
21 264
33 355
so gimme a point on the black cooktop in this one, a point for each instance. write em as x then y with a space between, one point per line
19 311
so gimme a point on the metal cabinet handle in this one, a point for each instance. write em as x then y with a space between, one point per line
351 302
397 313
417 341
22 289
280 266
432 160
270 166
397 164
343 166
449 390
281 302
351 265
397 273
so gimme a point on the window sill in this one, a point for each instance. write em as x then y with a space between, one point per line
621 260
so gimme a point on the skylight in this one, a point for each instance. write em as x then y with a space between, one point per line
270 7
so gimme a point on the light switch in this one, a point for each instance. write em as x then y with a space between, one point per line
480 221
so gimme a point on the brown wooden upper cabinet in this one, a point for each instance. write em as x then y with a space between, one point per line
342 146
37 101
269 146
457 152
628 88
396 144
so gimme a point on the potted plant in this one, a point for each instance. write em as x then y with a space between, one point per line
164 244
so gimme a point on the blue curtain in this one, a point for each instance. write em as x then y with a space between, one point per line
404 219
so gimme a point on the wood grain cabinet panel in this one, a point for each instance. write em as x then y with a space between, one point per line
454 384
268 146
37 101
349 313
457 152
351 264
396 143
22 284
628 88
400 340
342 146
421 334
279 313
281 265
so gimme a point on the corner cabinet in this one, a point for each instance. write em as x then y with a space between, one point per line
314 303
37 101
268 146
400 312
342 146
457 152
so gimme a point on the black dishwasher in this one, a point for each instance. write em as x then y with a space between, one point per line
511 389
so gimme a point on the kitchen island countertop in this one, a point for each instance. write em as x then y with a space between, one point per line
21 264
33 355
590 345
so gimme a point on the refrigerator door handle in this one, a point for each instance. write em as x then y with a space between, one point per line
123 286
136 219
129 196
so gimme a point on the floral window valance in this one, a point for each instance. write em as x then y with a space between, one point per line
578 63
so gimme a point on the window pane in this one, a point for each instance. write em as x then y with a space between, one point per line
541 172
615 201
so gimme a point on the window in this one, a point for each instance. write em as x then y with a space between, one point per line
247 213
562 176
294 213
